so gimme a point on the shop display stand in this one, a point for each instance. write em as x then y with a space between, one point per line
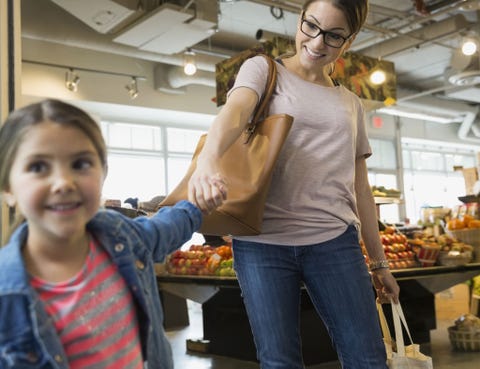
380 200
226 327
474 304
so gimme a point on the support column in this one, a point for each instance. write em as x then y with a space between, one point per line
10 69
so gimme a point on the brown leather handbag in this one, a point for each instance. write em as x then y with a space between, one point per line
247 166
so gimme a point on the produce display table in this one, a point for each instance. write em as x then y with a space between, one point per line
226 327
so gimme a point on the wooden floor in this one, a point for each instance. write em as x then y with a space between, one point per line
449 304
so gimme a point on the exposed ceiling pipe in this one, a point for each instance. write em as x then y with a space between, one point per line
403 96
466 128
417 37
436 106
466 113
101 44
177 78
172 80
445 5
476 129
289 6
408 24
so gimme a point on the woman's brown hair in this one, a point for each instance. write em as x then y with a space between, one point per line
355 11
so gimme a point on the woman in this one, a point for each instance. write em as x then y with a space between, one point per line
318 199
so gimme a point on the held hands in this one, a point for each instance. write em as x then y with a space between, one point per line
386 286
207 192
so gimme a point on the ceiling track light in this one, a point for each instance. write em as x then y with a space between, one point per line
132 88
189 64
71 80
469 46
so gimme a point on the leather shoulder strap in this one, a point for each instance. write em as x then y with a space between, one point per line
262 106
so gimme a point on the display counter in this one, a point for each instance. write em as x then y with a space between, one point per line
226 327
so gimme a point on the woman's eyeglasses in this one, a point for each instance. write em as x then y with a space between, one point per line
331 39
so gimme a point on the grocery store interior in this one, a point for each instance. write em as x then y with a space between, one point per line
124 61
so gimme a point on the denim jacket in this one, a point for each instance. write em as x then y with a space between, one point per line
28 338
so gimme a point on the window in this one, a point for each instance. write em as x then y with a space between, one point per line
130 175
182 140
430 178
139 165
132 136
382 172
181 144
383 155
428 174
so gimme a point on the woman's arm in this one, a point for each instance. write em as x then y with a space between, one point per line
226 128
383 280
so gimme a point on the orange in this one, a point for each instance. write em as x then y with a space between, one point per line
455 223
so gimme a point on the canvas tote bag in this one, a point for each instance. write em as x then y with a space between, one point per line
247 166
400 356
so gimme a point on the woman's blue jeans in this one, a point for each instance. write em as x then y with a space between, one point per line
339 285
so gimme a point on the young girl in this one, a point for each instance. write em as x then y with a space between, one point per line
318 202
77 285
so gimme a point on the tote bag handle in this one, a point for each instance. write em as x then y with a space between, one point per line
398 320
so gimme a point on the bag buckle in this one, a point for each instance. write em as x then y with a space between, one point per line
249 131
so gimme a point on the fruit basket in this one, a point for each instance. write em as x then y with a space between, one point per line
469 236
464 340
427 255
465 334
454 258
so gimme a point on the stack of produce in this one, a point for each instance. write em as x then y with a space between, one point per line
201 260
467 229
465 222
381 191
397 250
442 249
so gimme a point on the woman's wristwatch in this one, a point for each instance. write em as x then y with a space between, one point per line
380 264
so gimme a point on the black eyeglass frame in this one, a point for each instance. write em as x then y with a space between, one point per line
324 33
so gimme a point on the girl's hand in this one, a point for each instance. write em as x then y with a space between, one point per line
386 286
207 192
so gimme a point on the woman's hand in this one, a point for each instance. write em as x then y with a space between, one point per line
207 190
386 286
